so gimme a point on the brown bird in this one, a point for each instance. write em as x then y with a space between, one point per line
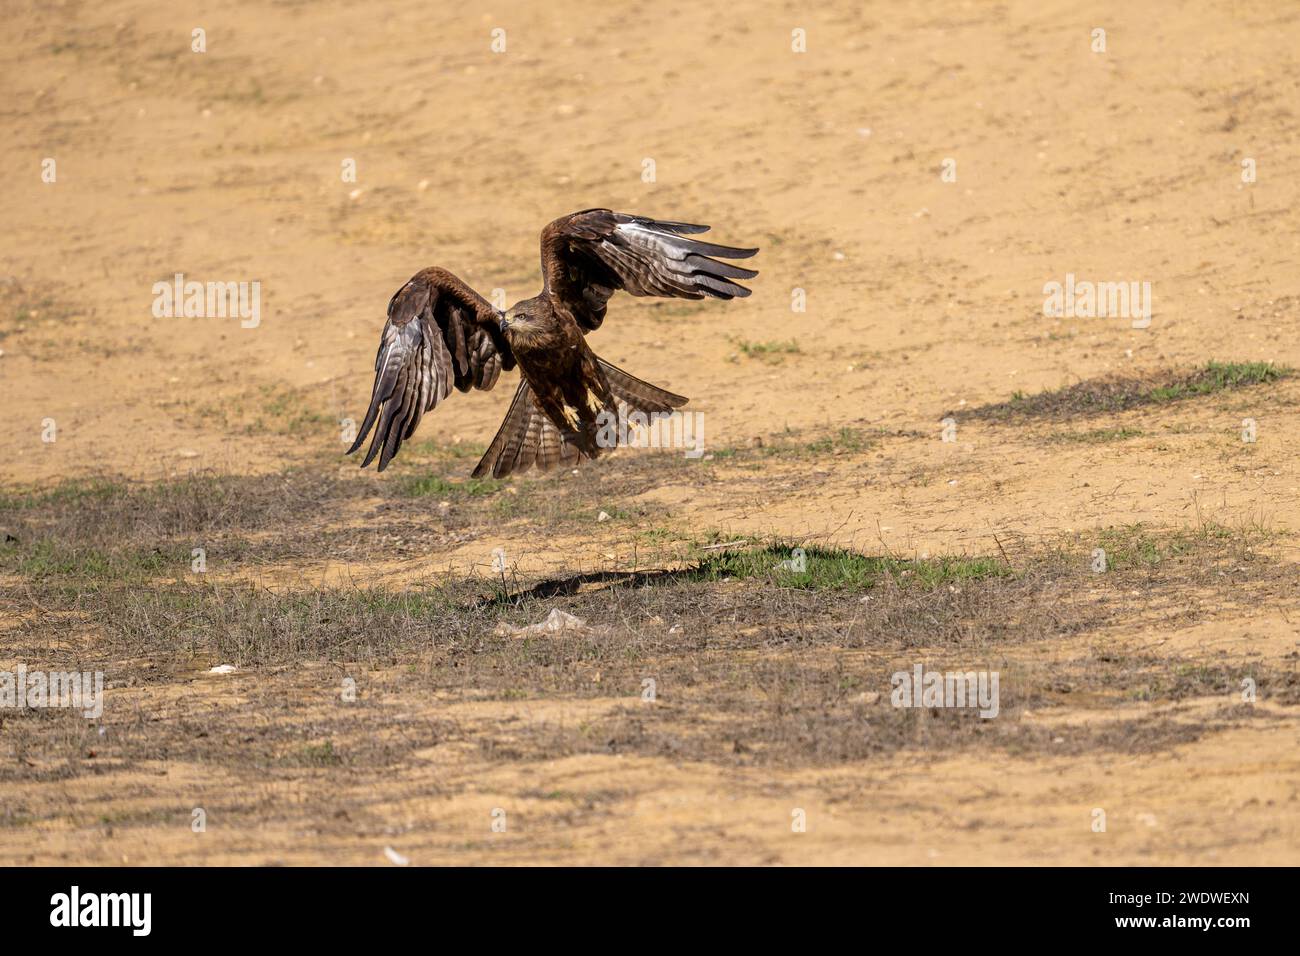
441 333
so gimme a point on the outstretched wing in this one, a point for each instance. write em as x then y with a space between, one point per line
588 256
440 333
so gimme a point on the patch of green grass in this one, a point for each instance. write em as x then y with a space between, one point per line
768 351
1118 393
32 310
289 412
1217 376
209 620
90 532
1139 546
66 494
846 439
819 569
270 410
417 605
791 444
319 755
1097 436
510 506
45 559
426 486
432 448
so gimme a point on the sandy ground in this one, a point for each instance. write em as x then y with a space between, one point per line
922 297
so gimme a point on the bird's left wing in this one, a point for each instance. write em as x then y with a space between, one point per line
440 333
588 256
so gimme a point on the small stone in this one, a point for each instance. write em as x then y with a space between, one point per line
557 622
394 857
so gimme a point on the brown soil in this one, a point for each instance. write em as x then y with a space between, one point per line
924 299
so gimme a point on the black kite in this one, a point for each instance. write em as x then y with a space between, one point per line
441 333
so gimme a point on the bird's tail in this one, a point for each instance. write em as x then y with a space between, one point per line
639 396
527 437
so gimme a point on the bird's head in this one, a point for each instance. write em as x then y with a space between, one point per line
519 315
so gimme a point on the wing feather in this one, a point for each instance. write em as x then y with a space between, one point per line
588 256
440 335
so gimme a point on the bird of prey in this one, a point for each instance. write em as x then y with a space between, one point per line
440 333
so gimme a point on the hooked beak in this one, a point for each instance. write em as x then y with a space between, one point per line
504 324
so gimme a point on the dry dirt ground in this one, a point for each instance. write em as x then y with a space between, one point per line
376 704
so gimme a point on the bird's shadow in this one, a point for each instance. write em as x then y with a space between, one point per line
570 585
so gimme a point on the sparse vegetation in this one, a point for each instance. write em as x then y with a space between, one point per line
767 351
845 440
423 486
1120 393
788 667
818 568
1096 436
1140 546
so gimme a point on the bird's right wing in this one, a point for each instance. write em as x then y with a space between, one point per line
440 333
589 255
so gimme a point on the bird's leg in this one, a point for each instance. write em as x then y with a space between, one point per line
567 417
